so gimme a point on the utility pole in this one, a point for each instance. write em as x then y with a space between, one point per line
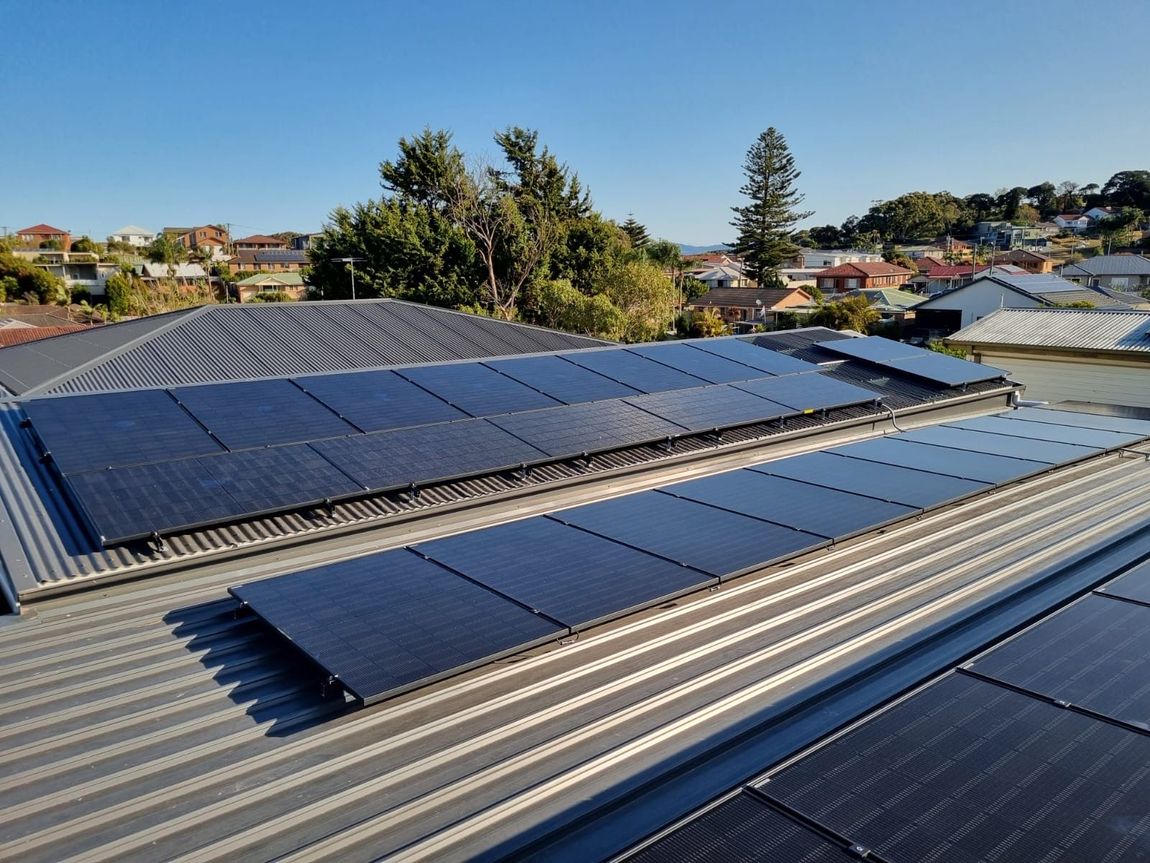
351 262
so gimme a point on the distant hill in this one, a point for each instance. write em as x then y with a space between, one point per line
697 250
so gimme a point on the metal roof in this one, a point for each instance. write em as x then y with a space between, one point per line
233 342
1078 329
1110 265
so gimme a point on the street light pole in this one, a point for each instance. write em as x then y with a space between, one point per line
351 262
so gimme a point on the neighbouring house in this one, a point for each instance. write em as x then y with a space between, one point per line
1085 355
14 332
916 253
133 235
259 242
928 262
818 259
751 306
1075 222
947 277
1120 272
1006 235
203 236
1097 214
706 260
183 274
291 284
861 275
950 311
891 303
79 270
729 276
304 242
269 261
1032 262
39 234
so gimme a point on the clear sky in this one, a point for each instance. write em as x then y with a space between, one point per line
269 114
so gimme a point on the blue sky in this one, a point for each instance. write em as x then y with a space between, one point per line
268 115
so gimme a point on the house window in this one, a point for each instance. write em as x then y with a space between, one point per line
852 284
1119 282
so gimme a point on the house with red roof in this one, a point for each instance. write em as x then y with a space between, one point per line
259 243
37 235
861 275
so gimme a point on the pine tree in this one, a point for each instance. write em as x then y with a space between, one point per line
636 231
766 224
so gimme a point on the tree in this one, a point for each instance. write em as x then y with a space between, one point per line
1044 198
827 237
645 296
635 232
851 313
1128 189
1026 215
706 324
1068 196
165 250
560 305
31 282
84 244
765 225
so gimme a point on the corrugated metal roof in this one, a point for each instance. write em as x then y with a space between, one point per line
1082 329
230 342
1110 265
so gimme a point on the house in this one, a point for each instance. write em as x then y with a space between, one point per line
79 270
946 277
726 276
214 237
37 235
133 235
891 303
950 311
751 305
259 242
19 333
818 259
270 261
304 242
849 277
1074 222
1085 355
928 262
183 273
1120 272
1032 262
291 284
1098 214
917 253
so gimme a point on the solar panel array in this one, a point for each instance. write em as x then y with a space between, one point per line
176 452
929 365
1036 750
584 565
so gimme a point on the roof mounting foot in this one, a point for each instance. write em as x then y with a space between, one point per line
667 444
329 506
157 542
524 471
413 492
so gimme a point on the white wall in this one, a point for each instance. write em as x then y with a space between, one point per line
979 299
1059 379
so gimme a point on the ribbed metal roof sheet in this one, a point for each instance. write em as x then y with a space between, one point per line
1110 265
1081 329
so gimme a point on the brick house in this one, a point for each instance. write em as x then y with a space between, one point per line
259 243
861 276
270 261
751 305
42 233
204 236
1032 262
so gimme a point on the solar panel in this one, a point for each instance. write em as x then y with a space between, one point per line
1094 654
90 432
705 408
1133 585
260 413
476 389
635 371
884 481
376 401
873 348
811 508
282 477
387 622
702 364
742 830
716 541
571 430
945 370
996 444
763 359
561 380
894 450
396 458
806 393
1007 424
570 575
1084 420
967 770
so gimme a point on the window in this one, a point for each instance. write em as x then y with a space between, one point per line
852 284
1119 282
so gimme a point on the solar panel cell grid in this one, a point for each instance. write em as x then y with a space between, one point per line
1008 424
376 401
1083 420
477 389
996 444
763 359
809 392
1133 585
936 459
705 408
873 348
941 369
633 370
586 428
561 380
702 364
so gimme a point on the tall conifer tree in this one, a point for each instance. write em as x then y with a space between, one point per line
636 232
766 224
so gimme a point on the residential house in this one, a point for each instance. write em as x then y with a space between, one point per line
1032 262
1097 214
133 235
37 235
818 259
1006 235
183 274
947 277
1120 272
259 242
950 311
81 271
850 277
751 306
203 236
1085 355
927 262
728 276
916 253
14 332
1074 222
891 303
304 242
269 261
291 284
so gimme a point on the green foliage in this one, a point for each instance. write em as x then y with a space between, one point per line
944 348
706 323
51 244
85 244
787 321
9 287
900 259
165 250
119 291
635 232
587 250
765 225
645 296
558 304
912 217
851 313
271 297
692 288
1077 304
24 280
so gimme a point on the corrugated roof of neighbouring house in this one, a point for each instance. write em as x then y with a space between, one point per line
41 229
152 270
1110 265
23 333
232 342
292 279
1080 329
743 297
132 230
890 298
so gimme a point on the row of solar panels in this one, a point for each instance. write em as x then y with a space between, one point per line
398 619
986 764
907 359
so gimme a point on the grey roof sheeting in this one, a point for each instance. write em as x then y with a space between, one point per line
1072 329
1109 265
259 340
1040 287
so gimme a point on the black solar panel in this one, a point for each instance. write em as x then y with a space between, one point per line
1084 420
945 370
1095 654
635 371
742 830
812 392
702 364
705 408
713 540
476 389
975 466
763 359
585 428
817 510
110 429
873 348
1133 585
570 575
887 482
393 459
260 413
376 401
560 379
969 771
997 444
1010 424
279 477
387 622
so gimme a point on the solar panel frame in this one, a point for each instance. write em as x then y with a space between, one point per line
712 407
952 437
876 349
573 430
378 400
633 370
810 392
1133 585
1008 424
942 369
561 380
476 389
764 359
387 623
1084 420
964 464
712 368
